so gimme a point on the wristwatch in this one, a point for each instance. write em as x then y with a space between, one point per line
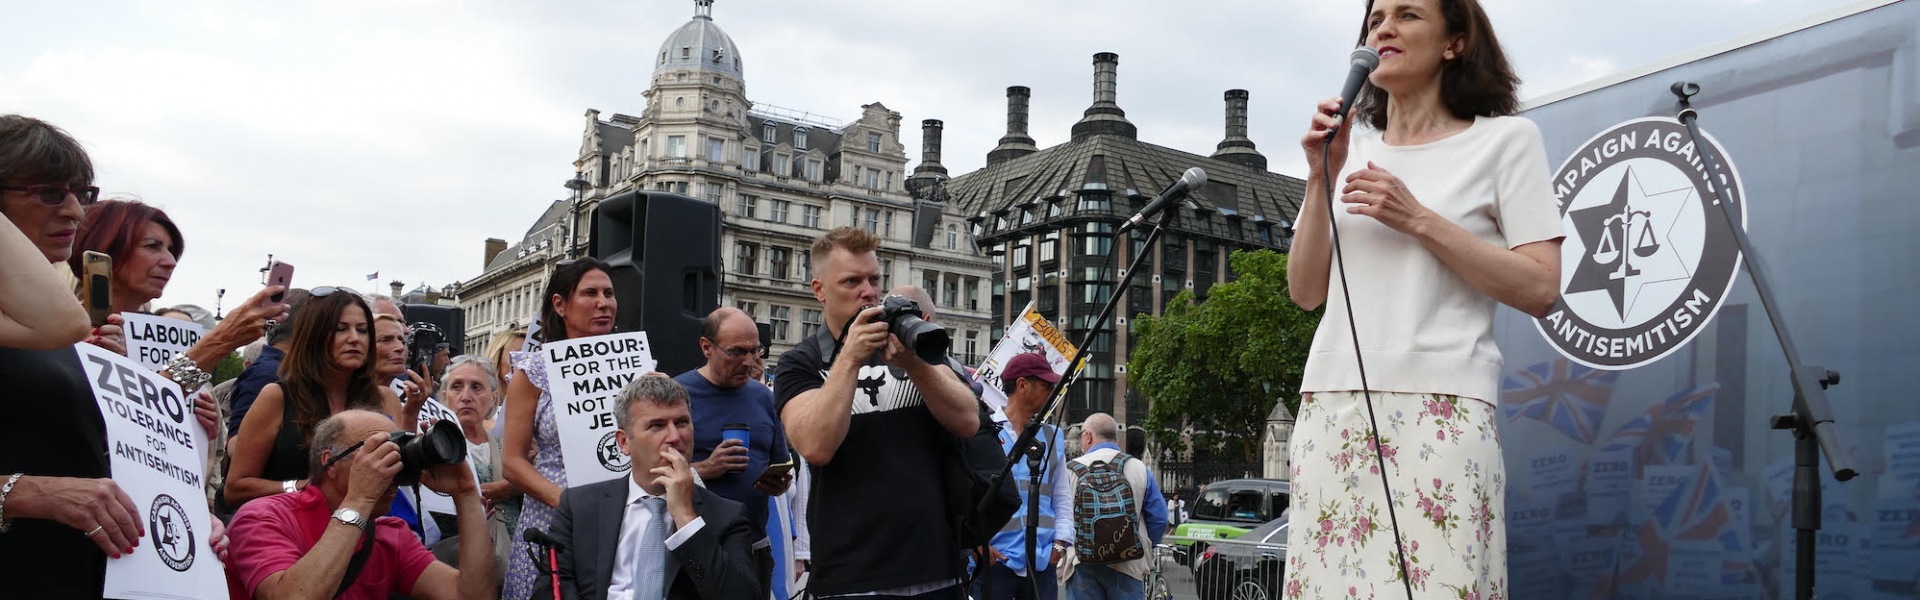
351 517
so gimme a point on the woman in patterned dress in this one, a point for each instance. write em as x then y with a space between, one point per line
1447 211
578 303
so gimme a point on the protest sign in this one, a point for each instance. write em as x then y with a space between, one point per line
1029 333
158 459
533 333
585 375
152 341
1554 473
1609 486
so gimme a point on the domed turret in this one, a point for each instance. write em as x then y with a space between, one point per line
700 44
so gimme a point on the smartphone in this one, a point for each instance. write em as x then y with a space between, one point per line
280 274
96 286
778 470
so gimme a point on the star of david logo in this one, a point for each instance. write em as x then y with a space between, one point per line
1628 242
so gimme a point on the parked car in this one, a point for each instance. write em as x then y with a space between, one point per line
1226 509
1248 567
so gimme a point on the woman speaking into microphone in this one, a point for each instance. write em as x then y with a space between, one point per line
1441 208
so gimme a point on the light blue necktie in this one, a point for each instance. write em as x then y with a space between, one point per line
649 572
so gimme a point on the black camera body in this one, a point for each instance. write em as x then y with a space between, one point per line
442 444
424 341
928 341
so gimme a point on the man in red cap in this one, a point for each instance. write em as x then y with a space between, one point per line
1014 573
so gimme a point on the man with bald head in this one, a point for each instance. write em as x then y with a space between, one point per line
724 395
302 545
1100 436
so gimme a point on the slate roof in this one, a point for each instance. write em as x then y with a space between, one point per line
543 229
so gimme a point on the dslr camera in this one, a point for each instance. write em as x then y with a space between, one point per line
442 444
927 340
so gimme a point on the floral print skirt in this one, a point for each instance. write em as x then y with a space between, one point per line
1449 491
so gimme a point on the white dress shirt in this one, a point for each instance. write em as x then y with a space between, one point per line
620 586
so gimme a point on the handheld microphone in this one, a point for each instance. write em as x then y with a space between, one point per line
1365 60
1193 179
540 538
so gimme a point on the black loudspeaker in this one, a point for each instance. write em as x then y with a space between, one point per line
665 253
452 321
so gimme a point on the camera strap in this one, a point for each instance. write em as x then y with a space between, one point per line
358 562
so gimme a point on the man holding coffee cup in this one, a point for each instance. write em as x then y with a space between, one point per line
739 446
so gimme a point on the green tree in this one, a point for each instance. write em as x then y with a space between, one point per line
1214 369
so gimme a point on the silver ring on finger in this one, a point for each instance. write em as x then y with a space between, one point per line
96 529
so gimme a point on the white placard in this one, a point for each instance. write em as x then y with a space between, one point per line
158 459
533 333
584 375
1029 332
1609 486
152 341
1554 473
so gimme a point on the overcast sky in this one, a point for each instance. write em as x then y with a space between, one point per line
349 137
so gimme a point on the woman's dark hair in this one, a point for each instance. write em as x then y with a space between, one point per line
113 227
35 152
1478 82
553 327
309 363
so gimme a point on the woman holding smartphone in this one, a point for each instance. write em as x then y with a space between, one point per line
578 303
329 367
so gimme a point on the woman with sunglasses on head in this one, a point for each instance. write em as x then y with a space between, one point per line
329 367
578 302
61 514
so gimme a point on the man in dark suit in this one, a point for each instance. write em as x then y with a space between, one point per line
656 535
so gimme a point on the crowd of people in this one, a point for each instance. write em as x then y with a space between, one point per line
305 483
305 477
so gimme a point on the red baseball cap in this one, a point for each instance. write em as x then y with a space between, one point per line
1031 364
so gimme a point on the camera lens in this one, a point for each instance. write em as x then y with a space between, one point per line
440 445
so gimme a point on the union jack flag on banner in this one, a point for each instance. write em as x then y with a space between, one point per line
1694 515
1663 434
1569 397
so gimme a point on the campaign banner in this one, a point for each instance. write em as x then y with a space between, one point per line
1896 539
584 376
533 333
1902 456
153 341
157 457
1528 521
1028 333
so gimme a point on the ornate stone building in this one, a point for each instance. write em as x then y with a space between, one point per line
781 177
1047 218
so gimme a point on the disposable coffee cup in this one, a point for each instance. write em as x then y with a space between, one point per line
737 431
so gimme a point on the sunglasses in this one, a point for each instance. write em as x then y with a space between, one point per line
55 195
327 290
739 352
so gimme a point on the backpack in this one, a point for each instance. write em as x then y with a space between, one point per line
1105 514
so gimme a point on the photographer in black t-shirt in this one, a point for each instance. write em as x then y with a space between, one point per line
873 421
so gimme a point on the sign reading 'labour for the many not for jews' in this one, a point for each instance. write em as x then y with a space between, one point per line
1030 333
158 460
585 375
152 341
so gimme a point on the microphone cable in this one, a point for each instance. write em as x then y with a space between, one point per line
1346 293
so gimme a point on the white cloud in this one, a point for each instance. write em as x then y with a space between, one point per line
350 137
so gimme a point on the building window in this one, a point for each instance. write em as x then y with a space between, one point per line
856 175
1050 248
973 294
813 171
751 157
716 150
889 181
873 179
769 133
953 237
751 308
645 152
778 262
777 315
973 344
886 274
873 220
746 206
799 138
951 295
810 216
679 187
1020 257
782 165
715 192
677 146
686 52
779 214
889 226
746 258
873 142
809 323
806 265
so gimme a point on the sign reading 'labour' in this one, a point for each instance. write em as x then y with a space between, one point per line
584 376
